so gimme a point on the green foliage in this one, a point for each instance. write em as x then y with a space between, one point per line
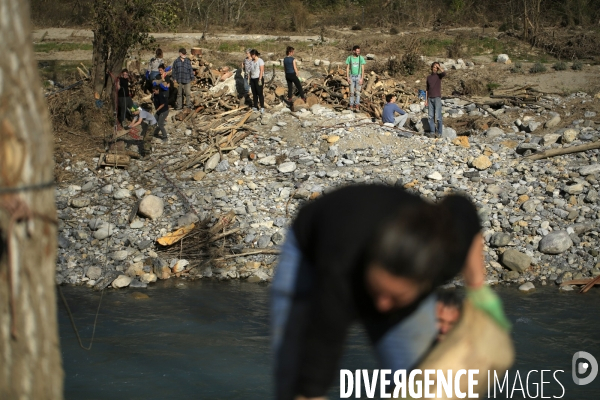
537 68
577 65
517 68
47 47
434 47
491 86
120 25
560 66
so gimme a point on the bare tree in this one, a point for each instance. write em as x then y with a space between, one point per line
30 366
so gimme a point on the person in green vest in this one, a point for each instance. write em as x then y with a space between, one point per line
355 74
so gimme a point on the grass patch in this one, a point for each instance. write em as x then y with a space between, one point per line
61 71
560 66
434 47
517 68
537 68
577 66
47 47
266 46
491 86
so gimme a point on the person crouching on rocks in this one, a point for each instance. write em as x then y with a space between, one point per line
291 74
145 119
389 109
160 100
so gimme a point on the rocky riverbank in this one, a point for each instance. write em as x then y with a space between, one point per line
541 219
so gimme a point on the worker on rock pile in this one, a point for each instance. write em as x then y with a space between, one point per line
373 254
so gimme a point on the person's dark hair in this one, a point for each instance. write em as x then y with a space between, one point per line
254 52
389 97
449 298
426 242
161 66
124 70
159 53
289 50
434 63
356 47
182 50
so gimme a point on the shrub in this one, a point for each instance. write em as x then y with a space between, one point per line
517 68
560 66
537 68
492 85
356 27
577 65
455 49
394 30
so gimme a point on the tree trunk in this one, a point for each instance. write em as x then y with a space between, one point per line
30 364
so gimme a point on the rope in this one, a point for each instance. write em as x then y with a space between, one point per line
37 186
64 300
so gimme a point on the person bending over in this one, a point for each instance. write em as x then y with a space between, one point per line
370 253
389 110
145 119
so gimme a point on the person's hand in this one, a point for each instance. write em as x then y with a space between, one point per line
487 301
360 81
260 83
425 103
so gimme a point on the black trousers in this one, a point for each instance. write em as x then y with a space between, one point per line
257 92
125 103
160 126
292 79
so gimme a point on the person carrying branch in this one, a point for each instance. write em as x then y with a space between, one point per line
355 74
374 254
291 74
146 120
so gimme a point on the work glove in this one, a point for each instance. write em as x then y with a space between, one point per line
487 301
260 82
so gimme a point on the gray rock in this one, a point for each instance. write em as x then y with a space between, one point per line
526 287
187 219
500 239
144 244
212 162
592 196
589 114
569 135
550 139
574 189
137 224
531 126
593 169
80 202
119 255
139 193
107 189
555 242
151 207
121 281
104 231
529 206
523 147
494 132
515 260
93 272
136 283
222 166
121 194
287 167
448 132
263 241
268 160
88 186
553 121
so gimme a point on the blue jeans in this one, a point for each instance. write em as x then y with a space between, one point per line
355 87
401 347
435 111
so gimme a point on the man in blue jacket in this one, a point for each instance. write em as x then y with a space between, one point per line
389 109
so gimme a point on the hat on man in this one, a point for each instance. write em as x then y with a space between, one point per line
134 108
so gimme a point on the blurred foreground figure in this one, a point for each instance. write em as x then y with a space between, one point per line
372 254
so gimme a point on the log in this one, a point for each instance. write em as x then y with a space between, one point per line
560 152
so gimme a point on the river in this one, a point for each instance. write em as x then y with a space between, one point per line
209 340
